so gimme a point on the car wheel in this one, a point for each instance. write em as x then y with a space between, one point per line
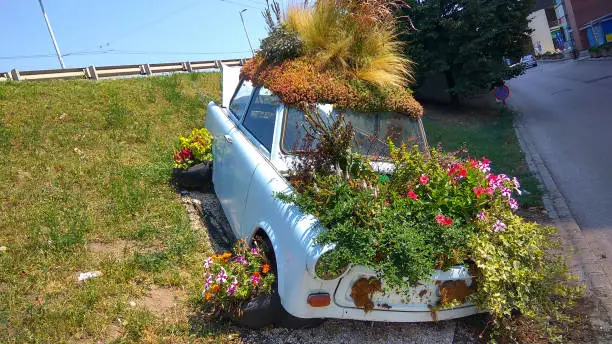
273 311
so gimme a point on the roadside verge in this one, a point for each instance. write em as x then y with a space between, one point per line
583 261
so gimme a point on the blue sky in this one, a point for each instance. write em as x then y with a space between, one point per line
110 32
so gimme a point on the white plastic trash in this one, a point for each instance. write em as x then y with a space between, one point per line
91 274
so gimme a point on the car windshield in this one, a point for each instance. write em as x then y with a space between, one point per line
371 130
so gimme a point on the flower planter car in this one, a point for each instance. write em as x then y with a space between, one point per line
254 136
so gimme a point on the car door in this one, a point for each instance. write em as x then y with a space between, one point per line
251 146
221 123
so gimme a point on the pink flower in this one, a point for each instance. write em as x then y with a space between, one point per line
255 251
412 195
481 216
506 192
222 276
255 278
208 282
484 165
499 226
208 262
443 220
513 204
231 290
516 183
423 179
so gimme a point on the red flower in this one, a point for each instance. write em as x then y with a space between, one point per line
412 195
423 179
479 191
462 173
485 160
443 220
265 268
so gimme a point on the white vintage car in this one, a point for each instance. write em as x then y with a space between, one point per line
254 135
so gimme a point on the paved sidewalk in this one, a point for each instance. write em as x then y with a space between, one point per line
583 262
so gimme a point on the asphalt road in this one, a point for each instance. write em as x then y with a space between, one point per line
567 111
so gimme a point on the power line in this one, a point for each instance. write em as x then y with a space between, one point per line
37 56
235 3
123 52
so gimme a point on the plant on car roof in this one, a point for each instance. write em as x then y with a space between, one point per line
434 211
340 52
194 149
232 278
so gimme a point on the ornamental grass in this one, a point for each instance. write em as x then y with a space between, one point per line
341 52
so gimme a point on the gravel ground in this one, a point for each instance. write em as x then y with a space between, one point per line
207 215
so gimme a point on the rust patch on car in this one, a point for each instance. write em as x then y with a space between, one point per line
453 290
433 312
362 292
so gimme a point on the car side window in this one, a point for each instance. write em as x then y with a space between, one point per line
240 102
260 119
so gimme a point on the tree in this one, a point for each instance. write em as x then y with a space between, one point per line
466 40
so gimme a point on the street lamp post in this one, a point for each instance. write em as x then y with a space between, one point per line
59 55
245 32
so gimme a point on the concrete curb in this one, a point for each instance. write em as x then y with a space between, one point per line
583 261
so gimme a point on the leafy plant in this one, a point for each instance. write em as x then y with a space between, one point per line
233 278
195 148
433 211
302 81
281 44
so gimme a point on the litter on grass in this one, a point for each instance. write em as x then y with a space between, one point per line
90 274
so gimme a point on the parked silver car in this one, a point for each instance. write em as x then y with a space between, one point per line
529 61
254 136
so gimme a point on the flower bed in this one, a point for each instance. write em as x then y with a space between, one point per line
193 160
233 278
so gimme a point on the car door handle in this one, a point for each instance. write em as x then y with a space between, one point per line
228 139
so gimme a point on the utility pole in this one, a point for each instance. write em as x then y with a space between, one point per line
59 55
245 31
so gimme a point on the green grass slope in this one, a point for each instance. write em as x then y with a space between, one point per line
85 170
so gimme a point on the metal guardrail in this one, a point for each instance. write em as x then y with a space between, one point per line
100 72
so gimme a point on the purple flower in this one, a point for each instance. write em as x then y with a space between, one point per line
241 260
222 276
208 282
517 185
254 251
513 204
208 262
499 226
481 216
231 290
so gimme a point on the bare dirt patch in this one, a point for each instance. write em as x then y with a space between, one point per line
115 248
161 300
